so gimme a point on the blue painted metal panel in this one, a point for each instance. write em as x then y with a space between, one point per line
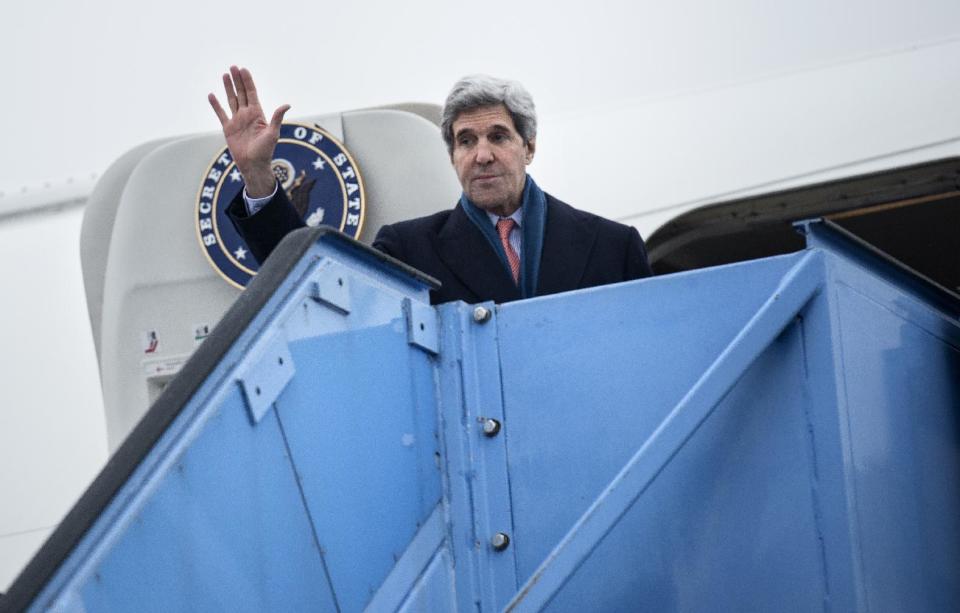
475 465
830 481
729 525
412 573
434 590
215 518
902 386
363 439
605 367
772 434
660 449
223 531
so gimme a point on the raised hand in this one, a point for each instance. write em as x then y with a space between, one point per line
250 138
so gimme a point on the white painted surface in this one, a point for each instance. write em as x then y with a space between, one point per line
678 152
84 82
52 432
646 110
16 549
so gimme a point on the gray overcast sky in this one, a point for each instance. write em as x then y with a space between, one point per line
85 81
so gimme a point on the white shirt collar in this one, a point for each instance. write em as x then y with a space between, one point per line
517 216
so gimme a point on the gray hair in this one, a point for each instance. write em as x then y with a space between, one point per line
477 91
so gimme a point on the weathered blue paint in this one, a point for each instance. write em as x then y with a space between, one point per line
797 287
424 566
774 434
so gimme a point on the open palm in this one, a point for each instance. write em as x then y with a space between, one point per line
250 138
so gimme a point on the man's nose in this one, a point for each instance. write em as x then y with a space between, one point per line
484 153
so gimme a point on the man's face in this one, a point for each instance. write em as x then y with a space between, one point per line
490 158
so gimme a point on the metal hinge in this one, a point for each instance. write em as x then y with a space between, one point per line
422 329
331 286
265 376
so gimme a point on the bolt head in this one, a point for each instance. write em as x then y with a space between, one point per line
481 314
491 427
500 541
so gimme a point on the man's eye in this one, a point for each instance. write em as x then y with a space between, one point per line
464 142
499 137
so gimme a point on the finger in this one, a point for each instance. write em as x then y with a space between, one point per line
221 115
238 83
277 118
231 95
249 87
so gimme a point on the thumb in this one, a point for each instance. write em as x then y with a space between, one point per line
277 118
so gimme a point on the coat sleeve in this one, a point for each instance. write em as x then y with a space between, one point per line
636 265
264 230
388 241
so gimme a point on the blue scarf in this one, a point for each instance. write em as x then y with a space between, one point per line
534 204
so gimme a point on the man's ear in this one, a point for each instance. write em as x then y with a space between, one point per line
531 148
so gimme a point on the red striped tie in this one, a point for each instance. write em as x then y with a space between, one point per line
503 229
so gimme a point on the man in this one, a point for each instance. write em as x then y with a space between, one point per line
504 240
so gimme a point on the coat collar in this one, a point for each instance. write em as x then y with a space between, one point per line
567 243
472 260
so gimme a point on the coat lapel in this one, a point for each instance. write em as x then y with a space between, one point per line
567 242
470 258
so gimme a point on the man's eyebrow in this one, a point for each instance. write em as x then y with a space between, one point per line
497 127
